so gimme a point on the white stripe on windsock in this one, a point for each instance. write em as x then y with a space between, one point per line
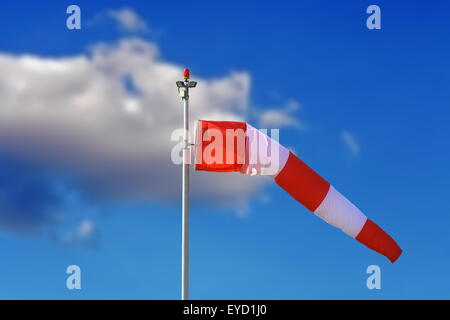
338 211
265 155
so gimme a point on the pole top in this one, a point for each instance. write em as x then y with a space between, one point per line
186 74
183 86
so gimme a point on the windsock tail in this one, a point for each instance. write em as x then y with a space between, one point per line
373 237
317 195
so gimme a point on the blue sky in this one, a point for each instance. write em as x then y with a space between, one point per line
387 89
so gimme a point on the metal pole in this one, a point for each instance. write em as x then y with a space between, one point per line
183 90
185 200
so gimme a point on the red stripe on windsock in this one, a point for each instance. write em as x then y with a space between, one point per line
302 183
372 236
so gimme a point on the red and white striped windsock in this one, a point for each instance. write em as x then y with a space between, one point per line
233 146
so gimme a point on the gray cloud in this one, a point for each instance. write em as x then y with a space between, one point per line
105 119
29 197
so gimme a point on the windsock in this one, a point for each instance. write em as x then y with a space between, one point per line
234 146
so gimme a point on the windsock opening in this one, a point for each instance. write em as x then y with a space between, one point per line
220 146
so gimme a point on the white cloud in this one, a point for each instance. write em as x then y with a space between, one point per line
350 142
128 20
81 234
85 228
78 116
281 117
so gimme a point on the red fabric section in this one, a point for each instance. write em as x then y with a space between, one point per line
302 183
209 146
372 236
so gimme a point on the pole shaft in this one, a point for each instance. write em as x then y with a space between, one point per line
185 201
